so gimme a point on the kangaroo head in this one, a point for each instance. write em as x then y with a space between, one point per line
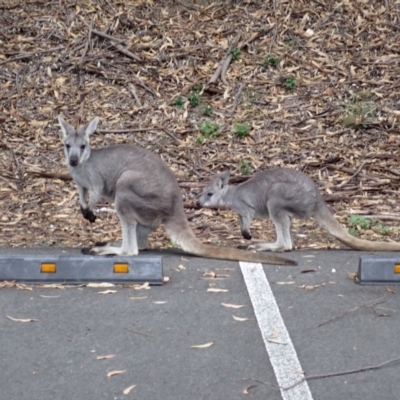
76 141
213 195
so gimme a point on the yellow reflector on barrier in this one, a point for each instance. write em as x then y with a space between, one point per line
48 268
121 268
397 268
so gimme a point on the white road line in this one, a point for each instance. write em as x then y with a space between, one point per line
281 351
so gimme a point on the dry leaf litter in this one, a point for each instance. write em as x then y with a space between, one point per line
316 84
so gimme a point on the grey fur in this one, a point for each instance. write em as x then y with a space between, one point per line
145 192
280 194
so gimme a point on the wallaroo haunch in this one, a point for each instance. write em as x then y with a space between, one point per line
280 194
145 193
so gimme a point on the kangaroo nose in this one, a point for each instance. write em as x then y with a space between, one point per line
73 161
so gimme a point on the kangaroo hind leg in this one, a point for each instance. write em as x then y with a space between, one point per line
129 242
281 220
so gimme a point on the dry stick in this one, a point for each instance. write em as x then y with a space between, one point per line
373 177
319 136
354 175
228 59
383 217
236 100
125 51
372 305
127 130
139 333
351 371
106 36
144 86
217 73
134 94
31 54
87 43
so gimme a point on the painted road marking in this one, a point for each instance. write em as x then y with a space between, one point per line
280 348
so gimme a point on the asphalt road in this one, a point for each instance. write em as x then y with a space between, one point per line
334 325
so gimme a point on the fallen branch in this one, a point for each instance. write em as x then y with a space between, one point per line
367 305
125 51
340 373
134 94
236 99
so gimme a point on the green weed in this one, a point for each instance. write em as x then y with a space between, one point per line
245 167
194 99
271 60
235 52
179 102
241 130
290 83
209 129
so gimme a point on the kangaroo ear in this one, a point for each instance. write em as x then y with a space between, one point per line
223 179
66 128
91 126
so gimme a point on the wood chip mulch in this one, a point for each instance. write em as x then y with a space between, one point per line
315 83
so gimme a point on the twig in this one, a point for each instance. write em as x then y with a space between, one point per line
236 100
106 36
125 51
372 305
340 373
354 175
383 217
87 43
52 175
31 54
139 333
127 130
134 94
228 60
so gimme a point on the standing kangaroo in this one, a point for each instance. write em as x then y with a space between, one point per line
145 192
280 193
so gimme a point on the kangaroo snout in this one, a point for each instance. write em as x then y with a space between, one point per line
73 161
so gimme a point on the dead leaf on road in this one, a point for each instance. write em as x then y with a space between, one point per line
232 305
246 391
145 286
285 283
105 357
202 346
216 290
159 302
100 285
240 319
112 373
23 287
22 320
139 298
107 292
274 335
49 297
128 389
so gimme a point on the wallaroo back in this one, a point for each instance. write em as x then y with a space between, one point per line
145 193
280 193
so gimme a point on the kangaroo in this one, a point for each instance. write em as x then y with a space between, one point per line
145 193
280 193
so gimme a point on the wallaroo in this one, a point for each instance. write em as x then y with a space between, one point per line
280 194
145 193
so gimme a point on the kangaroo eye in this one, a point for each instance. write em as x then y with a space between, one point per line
209 194
67 146
83 147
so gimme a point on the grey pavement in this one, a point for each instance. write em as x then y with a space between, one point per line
151 338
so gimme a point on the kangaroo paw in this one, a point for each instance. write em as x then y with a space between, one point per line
88 214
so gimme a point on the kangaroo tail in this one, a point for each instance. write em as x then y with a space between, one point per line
327 221
189 243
